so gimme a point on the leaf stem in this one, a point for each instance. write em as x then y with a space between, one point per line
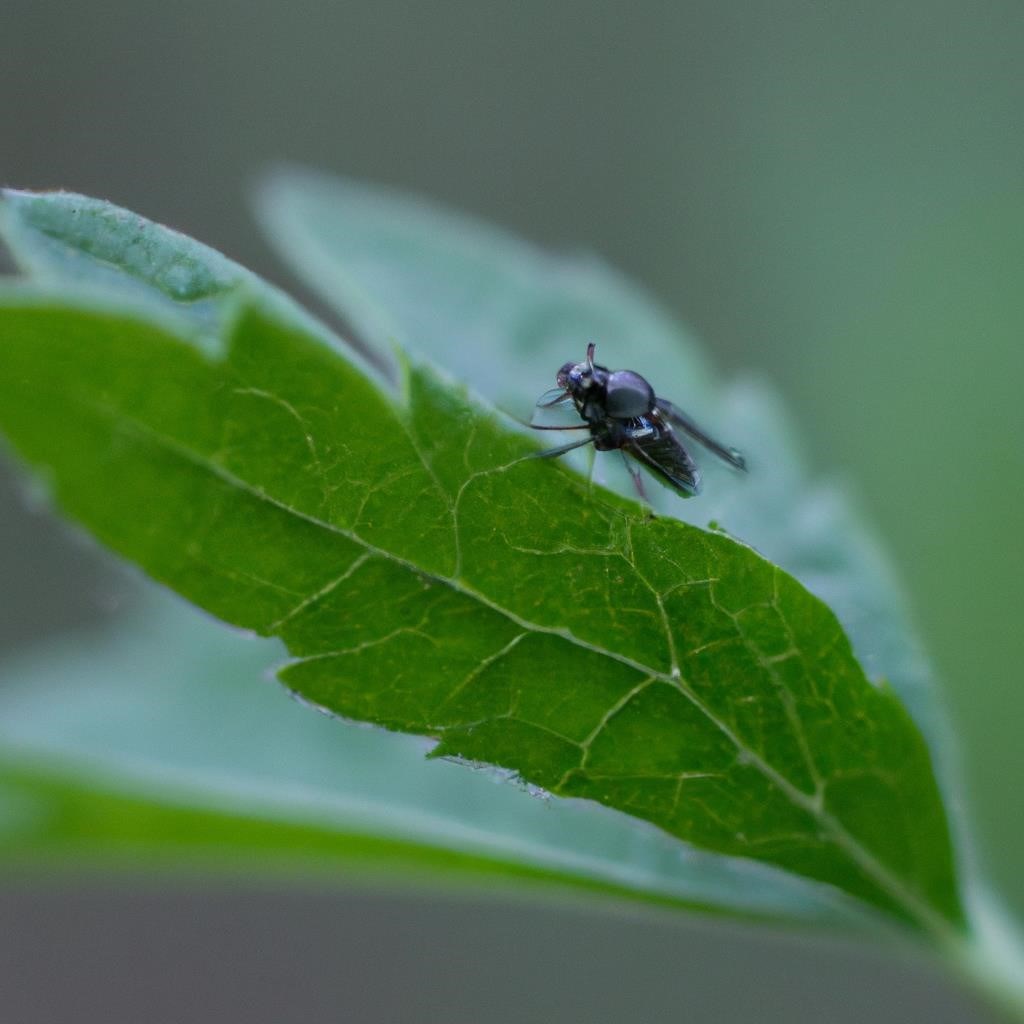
989 959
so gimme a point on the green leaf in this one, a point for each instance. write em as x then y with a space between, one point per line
428 575
503 315
154 741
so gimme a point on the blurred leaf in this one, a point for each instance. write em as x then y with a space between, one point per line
430 577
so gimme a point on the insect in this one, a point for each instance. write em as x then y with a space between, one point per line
621 411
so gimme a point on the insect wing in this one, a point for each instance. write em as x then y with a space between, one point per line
656 447
675 416
558 415
556 396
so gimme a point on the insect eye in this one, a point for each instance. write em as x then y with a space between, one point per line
563 375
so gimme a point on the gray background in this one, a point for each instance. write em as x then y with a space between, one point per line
828 193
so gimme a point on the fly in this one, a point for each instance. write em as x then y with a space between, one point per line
621 411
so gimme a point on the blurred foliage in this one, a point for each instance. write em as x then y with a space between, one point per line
938 357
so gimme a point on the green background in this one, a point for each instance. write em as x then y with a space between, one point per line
831 195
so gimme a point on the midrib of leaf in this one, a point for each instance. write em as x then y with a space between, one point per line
914 907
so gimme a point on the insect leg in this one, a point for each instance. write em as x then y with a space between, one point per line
638 480
561 449
590 472
541 426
